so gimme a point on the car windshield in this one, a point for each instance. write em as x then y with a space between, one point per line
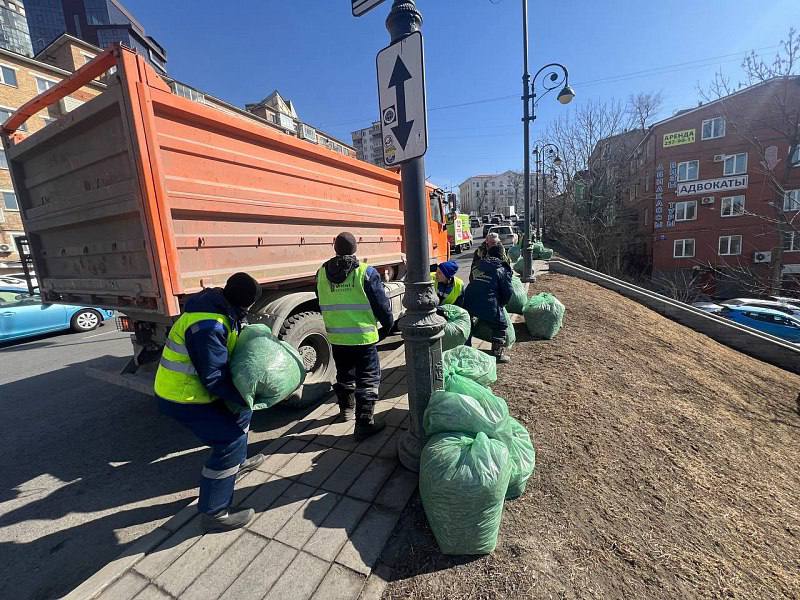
502 230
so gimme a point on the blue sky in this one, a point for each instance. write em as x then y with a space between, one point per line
323 59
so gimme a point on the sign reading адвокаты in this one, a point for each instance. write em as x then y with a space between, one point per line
678 138
722 184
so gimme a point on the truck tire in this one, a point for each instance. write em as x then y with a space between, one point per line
306 332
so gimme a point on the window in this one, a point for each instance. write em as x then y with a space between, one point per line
10 201
686 211
689 170
683 249
791 241
3 160
730 245
732 206
713 128
5 113
791 200
794 157
42 84
8 76
735 164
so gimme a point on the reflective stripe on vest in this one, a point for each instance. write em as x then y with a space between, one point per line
345 308
458 286
176 378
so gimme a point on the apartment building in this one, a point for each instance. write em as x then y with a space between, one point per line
22 78
497 193
368 143
719 187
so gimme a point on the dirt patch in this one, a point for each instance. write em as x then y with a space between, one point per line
668 466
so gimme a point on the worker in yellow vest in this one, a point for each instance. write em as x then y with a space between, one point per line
194 386
449 288
353 302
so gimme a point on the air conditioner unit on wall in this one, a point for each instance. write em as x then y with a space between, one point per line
707 200
719 157
762 257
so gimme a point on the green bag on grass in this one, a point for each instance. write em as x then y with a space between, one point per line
514 252
482 331
457 328
471 409
463 482
519 296
522 453
265 369
544 315
470 362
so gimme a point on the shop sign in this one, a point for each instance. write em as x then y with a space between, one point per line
723 184
679 138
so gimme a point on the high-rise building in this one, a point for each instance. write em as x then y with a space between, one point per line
99 22
14 35
368 143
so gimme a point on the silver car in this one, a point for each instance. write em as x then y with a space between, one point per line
507 236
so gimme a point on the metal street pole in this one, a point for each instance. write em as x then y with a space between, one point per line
527 250
536 190
422 328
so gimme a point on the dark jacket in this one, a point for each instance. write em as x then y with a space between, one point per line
489 291
206 342
339 267
480 254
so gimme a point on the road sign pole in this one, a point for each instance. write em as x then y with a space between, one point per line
422 328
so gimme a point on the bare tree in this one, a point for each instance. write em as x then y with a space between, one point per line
643 108
682 285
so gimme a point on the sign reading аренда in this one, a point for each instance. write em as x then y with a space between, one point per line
722 184
678 138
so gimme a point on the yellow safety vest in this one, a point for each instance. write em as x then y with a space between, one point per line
176 378
345 308
458 286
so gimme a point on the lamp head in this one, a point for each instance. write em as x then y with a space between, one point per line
557 161
566 95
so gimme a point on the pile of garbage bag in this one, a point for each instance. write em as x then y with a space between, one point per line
265 369
483 330
518 296
476 456
458 326
544 315
471 363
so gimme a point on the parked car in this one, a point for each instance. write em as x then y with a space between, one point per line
784 307
770 321
710 307
474 222
484 219
506 233
487 228
23 315
495 220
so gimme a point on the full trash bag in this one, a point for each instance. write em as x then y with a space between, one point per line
483 331
458 326
519 265
522 453
514 252
470 362
463 482
473 410
519 296
544 315
265 369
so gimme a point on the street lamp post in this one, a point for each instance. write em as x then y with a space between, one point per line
552 81
539 154
422 328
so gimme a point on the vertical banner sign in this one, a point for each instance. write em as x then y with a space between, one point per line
401 91
673 175
658 221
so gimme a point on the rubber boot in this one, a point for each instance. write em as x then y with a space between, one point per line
366 425
250 464
226 520
347 404
499 353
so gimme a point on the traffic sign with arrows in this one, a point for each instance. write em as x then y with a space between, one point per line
401 89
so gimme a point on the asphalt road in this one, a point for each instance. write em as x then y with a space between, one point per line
86 467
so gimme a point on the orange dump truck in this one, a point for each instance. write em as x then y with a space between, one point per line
140 197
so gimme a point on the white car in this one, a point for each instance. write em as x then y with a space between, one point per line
784 307
506 232
709 307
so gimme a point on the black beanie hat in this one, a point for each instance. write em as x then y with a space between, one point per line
495 251
241 290
345 244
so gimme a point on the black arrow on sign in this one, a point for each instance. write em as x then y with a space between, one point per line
398 80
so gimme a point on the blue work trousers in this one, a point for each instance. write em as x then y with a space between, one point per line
226 433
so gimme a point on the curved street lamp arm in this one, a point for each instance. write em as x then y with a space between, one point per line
552 81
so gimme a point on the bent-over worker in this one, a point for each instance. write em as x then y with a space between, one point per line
487 295
483 250
448 287
193 385
353 301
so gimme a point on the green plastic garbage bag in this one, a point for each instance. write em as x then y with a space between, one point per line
463 482
482 331
470 362
538 248
457 328
544 315
514 252
478 411
519 265
265 369
519 297
522 453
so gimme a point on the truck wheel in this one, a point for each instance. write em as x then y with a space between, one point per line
85 320
306 332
